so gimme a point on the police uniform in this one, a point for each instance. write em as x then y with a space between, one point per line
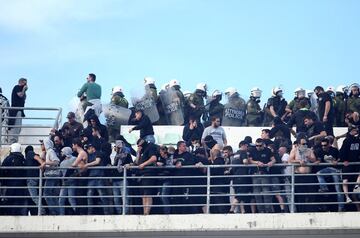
254 113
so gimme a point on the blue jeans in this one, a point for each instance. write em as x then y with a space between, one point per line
49 190
68 192
97 185
118 191
150 138
337 180
165 199
33 188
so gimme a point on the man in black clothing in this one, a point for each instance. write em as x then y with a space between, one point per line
143 124
18 97
239 183
147 157
71 129
263 158
183 158
192 131
297 118
329 154
315 130
17 179
350 152
326 109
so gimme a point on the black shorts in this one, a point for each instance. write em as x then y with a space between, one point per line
351 169
242 193
145 183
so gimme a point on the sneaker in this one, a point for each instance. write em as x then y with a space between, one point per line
356 189
348 200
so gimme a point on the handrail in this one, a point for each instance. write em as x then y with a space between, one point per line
208 189
4 138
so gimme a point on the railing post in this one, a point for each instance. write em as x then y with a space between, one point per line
40 193
208 190
292 204
124 192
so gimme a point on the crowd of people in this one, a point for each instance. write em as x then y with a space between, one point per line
85 162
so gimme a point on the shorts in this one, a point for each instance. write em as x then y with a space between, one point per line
145 184
351 169
275 184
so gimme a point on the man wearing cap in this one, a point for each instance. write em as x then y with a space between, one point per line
71 129
68 190
143 124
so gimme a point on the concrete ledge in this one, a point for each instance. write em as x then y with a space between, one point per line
180 223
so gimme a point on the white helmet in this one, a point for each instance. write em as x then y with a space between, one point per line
174 82
256 92
330 89
230 91
300 92
117 89
149 80
187 93
354 85
341 89
216 93
276 90
165 86
15 147
201 86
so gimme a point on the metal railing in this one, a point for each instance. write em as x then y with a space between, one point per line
5 127
189 189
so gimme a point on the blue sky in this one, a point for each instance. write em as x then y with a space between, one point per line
240 43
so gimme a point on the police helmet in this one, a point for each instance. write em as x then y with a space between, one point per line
149 80
230 91
256 92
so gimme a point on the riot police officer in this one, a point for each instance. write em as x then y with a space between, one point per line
234 109
196 101
254 113
275 106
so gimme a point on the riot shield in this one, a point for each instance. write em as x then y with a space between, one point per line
234 112
172 107
116 115
148 105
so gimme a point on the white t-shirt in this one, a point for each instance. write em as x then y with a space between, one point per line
218 133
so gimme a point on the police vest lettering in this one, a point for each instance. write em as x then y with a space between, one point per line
172 107
234 113
354 146
145 104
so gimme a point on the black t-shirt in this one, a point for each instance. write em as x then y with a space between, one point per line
263 156
238 159
17 101
322 99
149 151
185 159
327 157
31 162
315 129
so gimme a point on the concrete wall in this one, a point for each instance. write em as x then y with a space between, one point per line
181 223
234 134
